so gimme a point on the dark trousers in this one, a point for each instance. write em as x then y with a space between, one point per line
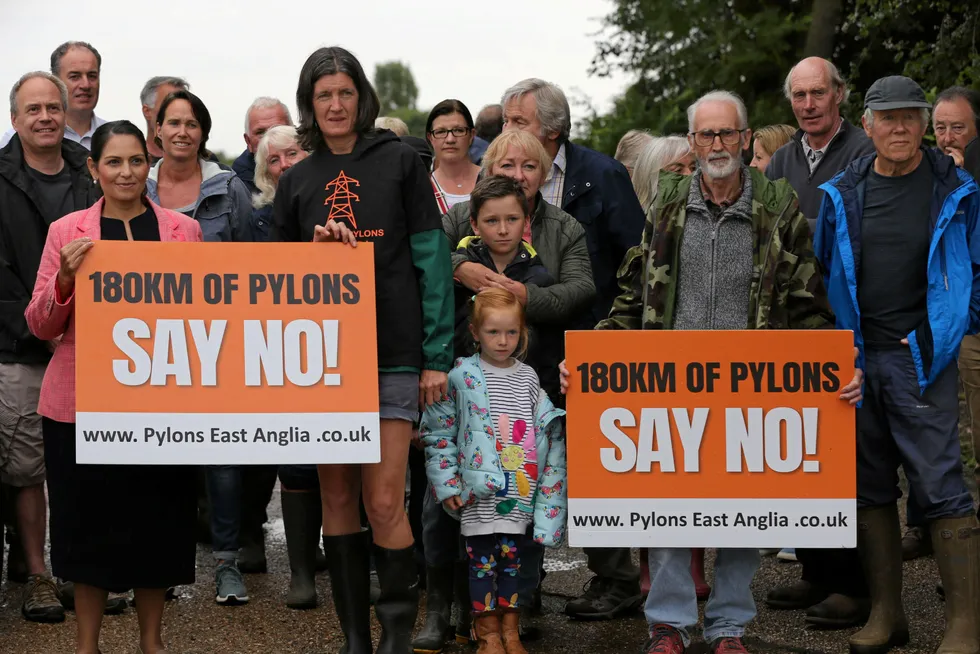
494 564
900 426
613 563
834 571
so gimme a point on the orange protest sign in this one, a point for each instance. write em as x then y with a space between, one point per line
226 353
710 439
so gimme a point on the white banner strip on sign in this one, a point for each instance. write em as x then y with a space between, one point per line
731 522
227 438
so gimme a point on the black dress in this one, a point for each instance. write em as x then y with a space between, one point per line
118 526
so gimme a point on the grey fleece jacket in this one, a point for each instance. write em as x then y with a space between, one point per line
715 275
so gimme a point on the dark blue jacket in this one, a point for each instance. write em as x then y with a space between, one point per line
953 270
244 167
477 150
599 194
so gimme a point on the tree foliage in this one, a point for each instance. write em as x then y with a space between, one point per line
677 50
396 87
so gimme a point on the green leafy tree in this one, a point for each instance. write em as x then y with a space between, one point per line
396 87
677 50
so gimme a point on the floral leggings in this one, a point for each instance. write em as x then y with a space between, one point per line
494 557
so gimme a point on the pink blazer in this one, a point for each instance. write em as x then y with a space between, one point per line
50 316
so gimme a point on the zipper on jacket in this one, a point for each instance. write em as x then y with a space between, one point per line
716 227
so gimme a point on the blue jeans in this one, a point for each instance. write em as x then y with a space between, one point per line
225 493
899 426
672 600
440 534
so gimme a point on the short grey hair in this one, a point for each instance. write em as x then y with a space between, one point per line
660 152
266 102
719 96
837 80
869 116
148 96
396 125
42 74
553 112
630 146
63 49
279 136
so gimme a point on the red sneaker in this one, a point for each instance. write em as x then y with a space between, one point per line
728 645
664 639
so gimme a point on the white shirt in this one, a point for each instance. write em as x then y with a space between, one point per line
85 140
554 186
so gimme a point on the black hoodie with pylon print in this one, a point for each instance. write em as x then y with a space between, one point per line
382 192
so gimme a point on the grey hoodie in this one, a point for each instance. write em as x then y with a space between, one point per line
715 275
223 208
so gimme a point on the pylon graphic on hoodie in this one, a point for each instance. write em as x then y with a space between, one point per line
341 199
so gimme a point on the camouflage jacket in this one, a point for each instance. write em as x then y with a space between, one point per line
787 287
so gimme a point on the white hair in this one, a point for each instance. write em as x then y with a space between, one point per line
396 125
869 116
719 96
279 136
265 102
837 80
660 152
552 105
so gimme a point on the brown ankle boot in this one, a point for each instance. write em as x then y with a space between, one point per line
954 541
487 627
510 628
880 547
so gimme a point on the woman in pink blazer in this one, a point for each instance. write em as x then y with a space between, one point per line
113 528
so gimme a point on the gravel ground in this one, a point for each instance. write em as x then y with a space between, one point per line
194 624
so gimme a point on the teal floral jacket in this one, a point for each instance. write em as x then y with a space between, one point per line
462 456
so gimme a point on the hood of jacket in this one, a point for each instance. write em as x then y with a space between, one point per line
214 181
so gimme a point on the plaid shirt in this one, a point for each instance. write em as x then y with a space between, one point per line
554 187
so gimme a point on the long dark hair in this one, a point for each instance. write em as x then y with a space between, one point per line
447 108
331 61
201 115
117 127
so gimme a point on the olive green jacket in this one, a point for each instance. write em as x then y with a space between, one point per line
787 287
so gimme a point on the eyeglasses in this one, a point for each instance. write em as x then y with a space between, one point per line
706 138
458 132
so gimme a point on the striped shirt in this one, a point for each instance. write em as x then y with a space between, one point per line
554 187
514 394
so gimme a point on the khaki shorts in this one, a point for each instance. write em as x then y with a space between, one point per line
21 442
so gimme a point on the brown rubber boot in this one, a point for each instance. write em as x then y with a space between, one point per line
954 542
880 547
487 627
510 629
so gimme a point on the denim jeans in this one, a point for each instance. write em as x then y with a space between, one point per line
672 600
440 534
225 492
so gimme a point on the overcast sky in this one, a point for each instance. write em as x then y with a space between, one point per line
234 50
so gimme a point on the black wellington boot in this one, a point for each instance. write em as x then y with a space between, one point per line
347 559
398 606
438 604
301 520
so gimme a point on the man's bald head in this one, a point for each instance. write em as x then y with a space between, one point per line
816 91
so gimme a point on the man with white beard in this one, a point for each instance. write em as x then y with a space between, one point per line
725 249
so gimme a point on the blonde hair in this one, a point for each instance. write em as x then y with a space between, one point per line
773 137
279 136
660 152
498 299
630 146
396 125
532 148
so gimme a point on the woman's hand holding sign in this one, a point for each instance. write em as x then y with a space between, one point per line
72 256
334 232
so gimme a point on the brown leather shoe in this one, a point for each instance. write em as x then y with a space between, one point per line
510 630
487 627
839 612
